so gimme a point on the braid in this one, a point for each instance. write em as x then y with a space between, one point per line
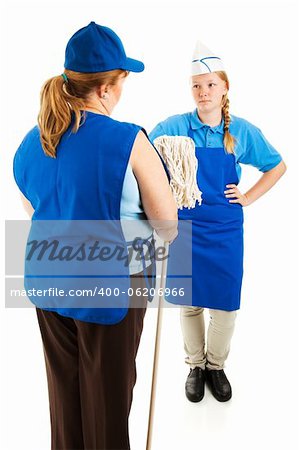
229 140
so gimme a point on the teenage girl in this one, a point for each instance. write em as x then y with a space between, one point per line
222 142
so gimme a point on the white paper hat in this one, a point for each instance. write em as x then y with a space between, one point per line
204 61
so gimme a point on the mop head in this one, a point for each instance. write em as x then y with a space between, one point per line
178 153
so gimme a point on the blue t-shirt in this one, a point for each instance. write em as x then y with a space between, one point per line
251 145
131 209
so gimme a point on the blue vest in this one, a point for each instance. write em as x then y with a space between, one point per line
78 190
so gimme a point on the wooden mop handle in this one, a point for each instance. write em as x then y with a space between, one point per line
178 153
157 350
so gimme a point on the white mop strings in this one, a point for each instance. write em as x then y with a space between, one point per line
178 153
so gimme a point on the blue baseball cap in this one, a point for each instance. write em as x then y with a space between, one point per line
95 48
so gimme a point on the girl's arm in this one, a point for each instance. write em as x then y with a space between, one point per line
264 184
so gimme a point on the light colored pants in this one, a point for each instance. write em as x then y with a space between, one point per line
220 331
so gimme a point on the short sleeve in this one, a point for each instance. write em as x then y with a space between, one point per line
156 132
257 150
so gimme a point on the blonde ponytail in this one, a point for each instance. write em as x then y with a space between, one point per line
63 98
56 113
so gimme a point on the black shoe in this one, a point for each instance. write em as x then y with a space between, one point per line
219 384
195 385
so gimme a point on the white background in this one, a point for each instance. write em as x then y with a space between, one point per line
257 41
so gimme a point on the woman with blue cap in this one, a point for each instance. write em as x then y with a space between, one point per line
79 165
222 142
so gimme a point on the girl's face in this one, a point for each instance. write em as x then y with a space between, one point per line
208 90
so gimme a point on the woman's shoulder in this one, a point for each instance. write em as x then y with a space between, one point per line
107 121
33 133
30 137
110 128
119 126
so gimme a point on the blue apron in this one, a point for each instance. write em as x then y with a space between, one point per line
76 198
217 235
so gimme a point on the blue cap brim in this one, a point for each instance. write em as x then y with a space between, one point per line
133 65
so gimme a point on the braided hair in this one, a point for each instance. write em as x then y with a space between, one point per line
229 140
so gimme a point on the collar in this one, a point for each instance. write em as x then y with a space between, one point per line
196 123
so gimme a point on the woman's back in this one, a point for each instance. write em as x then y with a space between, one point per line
85 180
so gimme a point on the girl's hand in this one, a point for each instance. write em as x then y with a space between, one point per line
233 191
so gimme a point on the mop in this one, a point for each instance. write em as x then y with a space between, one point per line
178 153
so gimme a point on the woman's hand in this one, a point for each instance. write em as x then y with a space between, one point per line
234 192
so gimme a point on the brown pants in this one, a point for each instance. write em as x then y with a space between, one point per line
91 374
